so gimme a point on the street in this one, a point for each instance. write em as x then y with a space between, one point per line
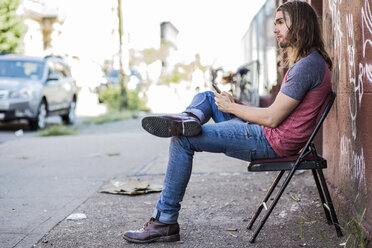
43 179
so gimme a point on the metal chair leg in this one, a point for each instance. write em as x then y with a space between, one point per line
321 195
266 198
329 203
273 204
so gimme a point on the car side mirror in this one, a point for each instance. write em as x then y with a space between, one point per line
53 77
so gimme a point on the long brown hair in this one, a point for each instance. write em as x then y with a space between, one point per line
304 34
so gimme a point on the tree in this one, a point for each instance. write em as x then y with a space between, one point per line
12 28
123 86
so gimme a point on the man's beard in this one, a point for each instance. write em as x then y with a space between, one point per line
284 43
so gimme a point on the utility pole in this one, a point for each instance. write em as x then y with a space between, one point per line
123 88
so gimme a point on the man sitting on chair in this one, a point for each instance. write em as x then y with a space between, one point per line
242 131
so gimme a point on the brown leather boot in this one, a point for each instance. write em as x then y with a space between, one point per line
154 231
172 125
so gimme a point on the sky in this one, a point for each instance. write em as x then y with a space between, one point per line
212 28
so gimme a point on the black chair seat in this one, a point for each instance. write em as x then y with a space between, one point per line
286 163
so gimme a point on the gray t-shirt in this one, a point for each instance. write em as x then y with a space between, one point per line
309 82
305 75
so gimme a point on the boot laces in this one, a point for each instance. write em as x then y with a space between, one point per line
151 221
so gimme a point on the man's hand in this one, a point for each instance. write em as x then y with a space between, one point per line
236 100
224 101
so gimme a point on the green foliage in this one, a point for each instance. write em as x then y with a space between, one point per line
174 77
12 28
149 52
57 130
180 71
149 55
135 102
356 235
305 218
112 98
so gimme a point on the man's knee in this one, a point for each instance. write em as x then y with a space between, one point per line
180 141
209 93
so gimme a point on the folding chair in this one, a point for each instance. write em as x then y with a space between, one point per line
308 159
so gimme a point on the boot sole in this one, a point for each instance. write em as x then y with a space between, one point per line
171 238
163 127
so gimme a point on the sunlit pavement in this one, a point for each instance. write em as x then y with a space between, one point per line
43 179
88 105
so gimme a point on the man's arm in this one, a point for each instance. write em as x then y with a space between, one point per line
270 117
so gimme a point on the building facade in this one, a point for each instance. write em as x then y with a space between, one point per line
168 39
259 49
42 22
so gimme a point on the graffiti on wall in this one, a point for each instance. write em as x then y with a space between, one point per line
365 70
355 163
358 72
334 7
357 86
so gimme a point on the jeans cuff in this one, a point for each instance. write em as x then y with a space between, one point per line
165 217
197 112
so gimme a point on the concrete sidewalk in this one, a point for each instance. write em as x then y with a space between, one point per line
220 199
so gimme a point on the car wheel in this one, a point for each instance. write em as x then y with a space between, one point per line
40 121
70 117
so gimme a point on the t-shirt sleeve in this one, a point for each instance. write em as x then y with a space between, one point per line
305 75
298 82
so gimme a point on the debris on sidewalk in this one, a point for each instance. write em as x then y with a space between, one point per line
235 236
18 133
132 187
77 216
113 154
232 229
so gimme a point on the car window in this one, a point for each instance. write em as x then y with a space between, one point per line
66 70
51 69
63 69
21 69
114 73
60 69
56 69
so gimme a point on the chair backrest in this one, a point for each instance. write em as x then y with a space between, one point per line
327 105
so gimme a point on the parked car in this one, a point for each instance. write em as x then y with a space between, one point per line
33 88
134 79
113 79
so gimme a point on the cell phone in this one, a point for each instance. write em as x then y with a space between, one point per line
216 88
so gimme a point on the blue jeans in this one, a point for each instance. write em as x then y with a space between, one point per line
229 134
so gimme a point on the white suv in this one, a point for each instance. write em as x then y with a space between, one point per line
33 88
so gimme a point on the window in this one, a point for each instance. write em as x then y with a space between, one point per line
21 69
